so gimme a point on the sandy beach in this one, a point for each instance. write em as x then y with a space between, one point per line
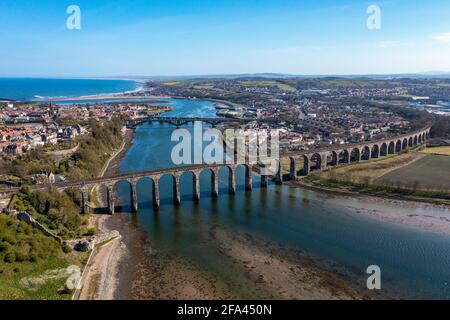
111 96
101 276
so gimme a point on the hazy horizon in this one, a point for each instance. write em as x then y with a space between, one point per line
226 75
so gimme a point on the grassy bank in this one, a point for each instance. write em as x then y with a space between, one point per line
445 151
58 211
32 266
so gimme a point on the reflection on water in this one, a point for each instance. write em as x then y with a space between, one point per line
414 263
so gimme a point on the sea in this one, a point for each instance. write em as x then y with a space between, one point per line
42 89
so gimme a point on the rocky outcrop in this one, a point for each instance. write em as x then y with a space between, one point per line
85 245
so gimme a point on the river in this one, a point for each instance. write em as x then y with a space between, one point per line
414 263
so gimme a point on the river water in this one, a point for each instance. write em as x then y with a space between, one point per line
414 263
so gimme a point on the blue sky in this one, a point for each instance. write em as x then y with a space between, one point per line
185 37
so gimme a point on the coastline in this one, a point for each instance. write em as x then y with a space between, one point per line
23 91
108 96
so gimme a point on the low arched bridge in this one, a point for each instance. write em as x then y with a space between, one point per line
318 159
181 121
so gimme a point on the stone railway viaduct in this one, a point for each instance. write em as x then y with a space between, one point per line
317 159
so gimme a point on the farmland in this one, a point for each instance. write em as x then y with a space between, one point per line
413 175
369 171
430 172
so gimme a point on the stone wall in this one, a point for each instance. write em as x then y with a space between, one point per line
83 245
25 217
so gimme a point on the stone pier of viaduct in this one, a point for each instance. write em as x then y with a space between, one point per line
317 159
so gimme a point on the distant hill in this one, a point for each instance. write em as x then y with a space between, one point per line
421 75
268 75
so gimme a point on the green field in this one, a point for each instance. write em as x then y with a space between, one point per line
368 171
430 172
411 175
